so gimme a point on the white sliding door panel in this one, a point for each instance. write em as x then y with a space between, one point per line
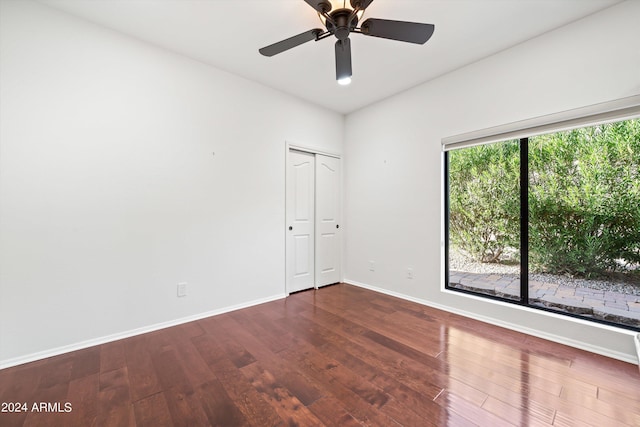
302 256
328 242
300 215
313 241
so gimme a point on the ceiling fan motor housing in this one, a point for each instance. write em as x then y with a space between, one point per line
341 25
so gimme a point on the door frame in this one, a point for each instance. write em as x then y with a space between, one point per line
311 150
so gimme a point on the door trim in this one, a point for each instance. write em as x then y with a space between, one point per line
310 150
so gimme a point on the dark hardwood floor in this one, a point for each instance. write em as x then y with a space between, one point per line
340 356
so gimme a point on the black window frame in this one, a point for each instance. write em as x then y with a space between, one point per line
524 245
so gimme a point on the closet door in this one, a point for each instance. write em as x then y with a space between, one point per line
300 218
327 223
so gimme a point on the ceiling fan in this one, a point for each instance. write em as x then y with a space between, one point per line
341 21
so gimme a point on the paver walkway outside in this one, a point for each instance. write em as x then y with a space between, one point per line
604 305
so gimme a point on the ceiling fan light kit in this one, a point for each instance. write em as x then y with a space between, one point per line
341 19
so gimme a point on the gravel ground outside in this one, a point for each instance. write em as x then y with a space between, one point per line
460 262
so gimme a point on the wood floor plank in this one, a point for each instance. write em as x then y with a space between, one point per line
169 371
623 401
383 328
363 335
20 388
252 339
233 349
338 356
274 337
152 411
565 420
319 367
511 393
248 400
466 392
114 399
297 384
194 365
525 414
53 388
330 412
112 356
143 381
348 337
56 371
474 414
188 330
404 417
209 349
185 407
591 403
600 372
83 396
357 382
219 407
291 410
5 380
86 362
13 419
412 399
503 374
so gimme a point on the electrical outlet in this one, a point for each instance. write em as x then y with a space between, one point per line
182 289
409 273
372 266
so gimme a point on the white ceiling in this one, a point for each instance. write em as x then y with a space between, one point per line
228 33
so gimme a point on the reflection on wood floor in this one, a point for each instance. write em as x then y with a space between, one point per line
339 356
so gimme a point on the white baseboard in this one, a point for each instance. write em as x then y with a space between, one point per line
625 357
7 363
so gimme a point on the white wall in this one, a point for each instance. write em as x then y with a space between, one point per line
110 194
393 195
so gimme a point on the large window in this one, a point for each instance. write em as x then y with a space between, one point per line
550 221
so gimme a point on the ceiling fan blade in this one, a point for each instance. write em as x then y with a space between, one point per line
412 32
321 6
343 59
362 4
291 42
